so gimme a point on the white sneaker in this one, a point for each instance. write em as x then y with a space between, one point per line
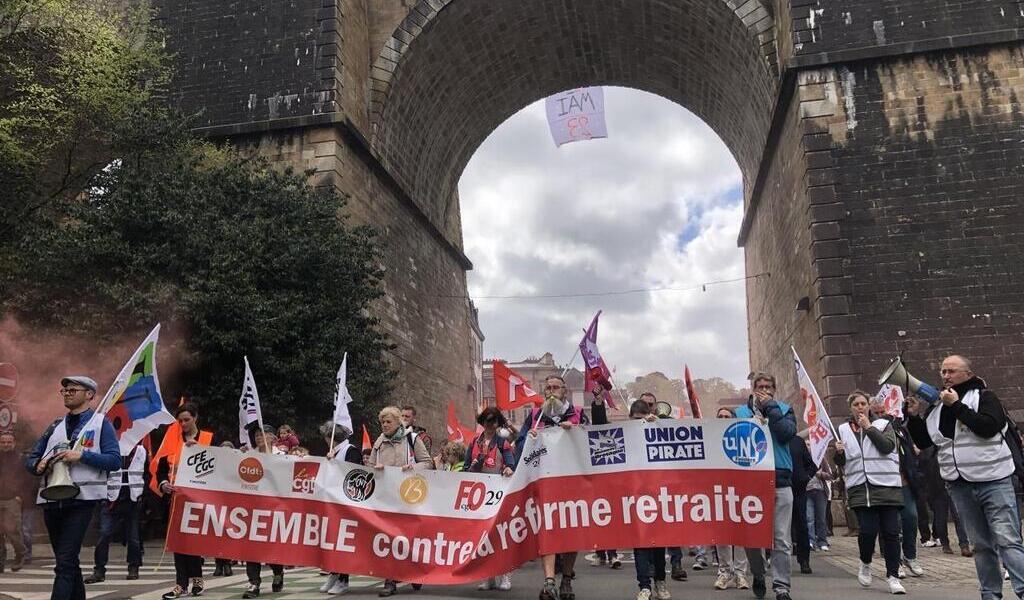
340 587
505 582
661 591
823 547
486 584
901 573
914 567
1006 575
930 543
331 580
723 581
645 594
864 575
895 587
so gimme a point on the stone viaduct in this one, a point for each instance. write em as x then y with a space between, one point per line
880 142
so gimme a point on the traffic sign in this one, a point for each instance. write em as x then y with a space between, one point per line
6 416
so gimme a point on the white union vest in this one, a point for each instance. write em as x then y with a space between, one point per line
865 463
967 455
91 481
136 471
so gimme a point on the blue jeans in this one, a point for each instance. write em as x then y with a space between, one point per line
989 513
908 519
123 515
645 558
66 523
817 524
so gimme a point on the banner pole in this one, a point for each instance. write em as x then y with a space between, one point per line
334 426
571 361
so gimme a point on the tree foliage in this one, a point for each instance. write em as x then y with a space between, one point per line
241 258
72 74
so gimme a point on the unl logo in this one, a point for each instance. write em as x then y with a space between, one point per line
304 477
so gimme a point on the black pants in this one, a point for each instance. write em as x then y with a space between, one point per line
253 570
923 518
942 509
186 567
798 530
887 520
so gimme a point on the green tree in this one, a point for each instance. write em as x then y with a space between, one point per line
72 74
239 258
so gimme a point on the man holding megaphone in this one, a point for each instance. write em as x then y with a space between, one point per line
74 457
968 427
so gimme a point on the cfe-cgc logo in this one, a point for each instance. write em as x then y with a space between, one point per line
304 477
607 447
413 489
250 471
674 443
201 463
359 485
745 443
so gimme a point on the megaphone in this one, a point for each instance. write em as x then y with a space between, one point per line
663 410
58 483
896 374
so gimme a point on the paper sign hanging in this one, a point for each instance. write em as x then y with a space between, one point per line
576 115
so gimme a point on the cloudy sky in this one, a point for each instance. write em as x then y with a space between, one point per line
657 204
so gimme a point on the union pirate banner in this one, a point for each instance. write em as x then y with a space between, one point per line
631 484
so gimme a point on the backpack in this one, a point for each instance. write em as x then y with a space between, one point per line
1012 439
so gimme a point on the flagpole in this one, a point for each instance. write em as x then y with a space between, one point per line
334 426
571 361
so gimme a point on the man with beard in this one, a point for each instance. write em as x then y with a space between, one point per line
555 412
968 428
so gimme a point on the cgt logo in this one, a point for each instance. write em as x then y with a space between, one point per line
304 477
250 470
202 463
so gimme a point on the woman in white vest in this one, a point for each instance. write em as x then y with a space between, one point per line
866 452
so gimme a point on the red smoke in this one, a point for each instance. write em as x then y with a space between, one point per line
43 358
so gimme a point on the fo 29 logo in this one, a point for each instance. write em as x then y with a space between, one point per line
474 494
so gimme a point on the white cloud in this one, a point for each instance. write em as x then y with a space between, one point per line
657 204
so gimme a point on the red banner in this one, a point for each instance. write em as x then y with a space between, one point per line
614 486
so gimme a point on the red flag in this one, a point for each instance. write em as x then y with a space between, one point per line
456 431
691 393
511 390
367 443
595 372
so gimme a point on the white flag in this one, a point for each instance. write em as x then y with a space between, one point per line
891 396
248 407
576 115
819 426
133 403
342 398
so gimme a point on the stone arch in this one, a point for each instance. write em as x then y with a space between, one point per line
455 69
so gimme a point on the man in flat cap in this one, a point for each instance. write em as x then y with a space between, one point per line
87 443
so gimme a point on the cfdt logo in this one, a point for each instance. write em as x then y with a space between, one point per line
358 485
607 447
201 463
745 443
413 489
304 477
250 470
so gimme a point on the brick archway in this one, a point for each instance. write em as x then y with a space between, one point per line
455 69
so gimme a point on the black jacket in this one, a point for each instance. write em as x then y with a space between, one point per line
987 422
803 464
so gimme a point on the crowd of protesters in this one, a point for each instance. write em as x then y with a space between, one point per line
958 458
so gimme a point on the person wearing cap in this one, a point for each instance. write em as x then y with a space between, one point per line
87 443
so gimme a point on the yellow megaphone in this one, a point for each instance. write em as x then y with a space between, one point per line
896 374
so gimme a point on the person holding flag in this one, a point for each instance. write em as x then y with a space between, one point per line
86 441
136 407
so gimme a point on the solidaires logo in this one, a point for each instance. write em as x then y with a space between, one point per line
607 447
745 443
413 489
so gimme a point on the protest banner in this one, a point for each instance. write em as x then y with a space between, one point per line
576 115
631 484
891 397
